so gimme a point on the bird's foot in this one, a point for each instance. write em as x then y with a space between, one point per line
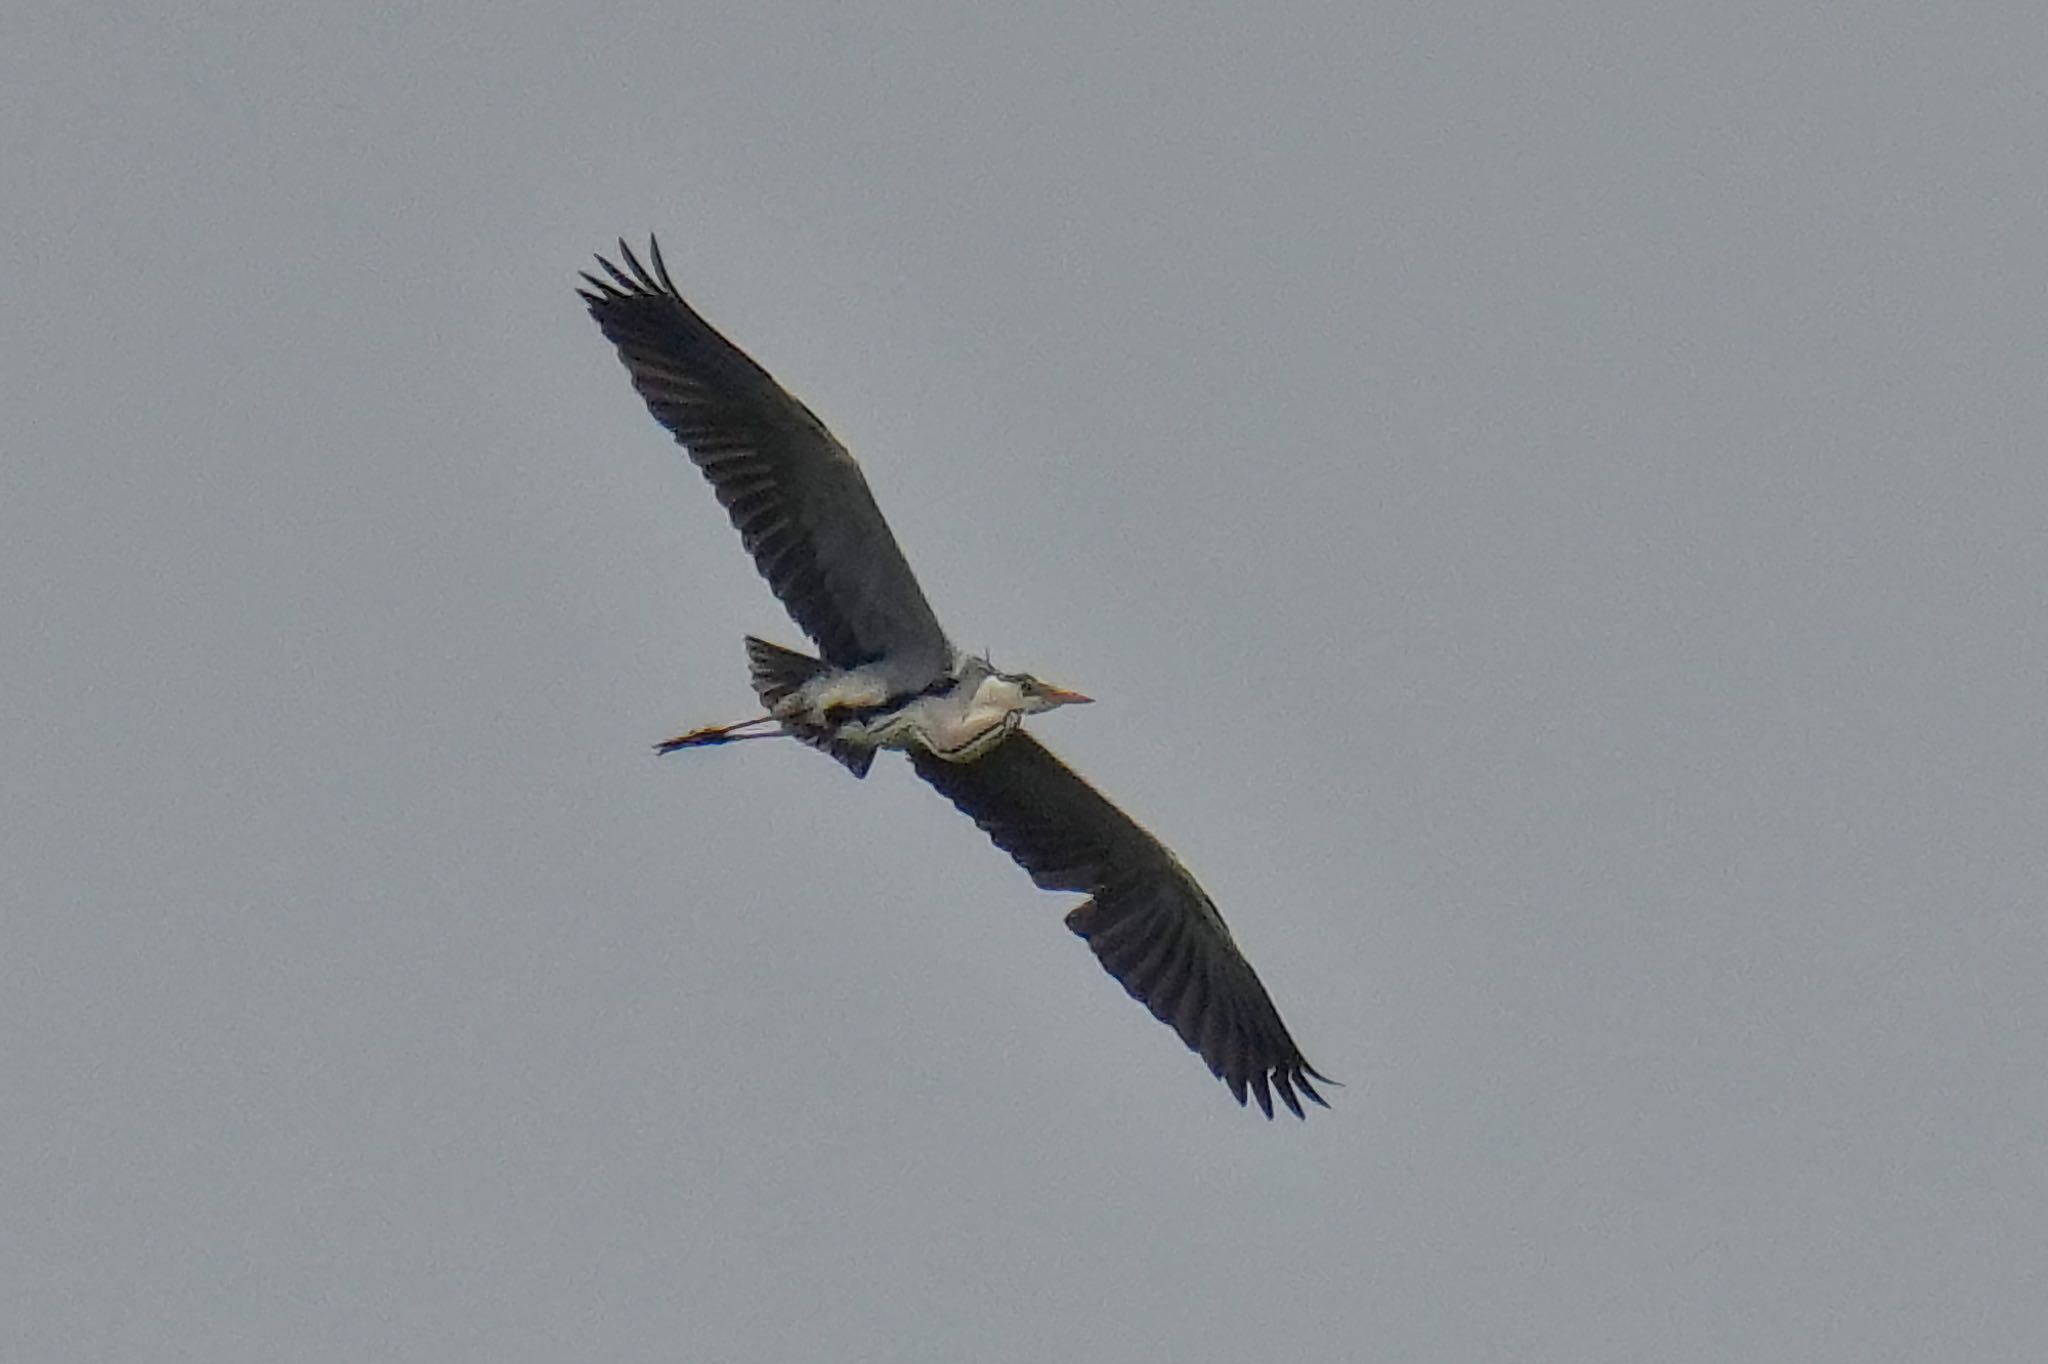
720 734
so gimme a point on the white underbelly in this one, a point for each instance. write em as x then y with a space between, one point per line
942 725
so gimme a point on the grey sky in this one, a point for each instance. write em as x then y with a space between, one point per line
1551 500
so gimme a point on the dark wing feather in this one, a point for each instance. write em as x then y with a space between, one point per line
1147 920
797 497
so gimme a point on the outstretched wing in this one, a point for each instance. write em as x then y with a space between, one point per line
1149 923
797 498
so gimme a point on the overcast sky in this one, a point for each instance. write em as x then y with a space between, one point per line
1551 501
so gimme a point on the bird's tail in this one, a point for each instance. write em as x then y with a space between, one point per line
777 673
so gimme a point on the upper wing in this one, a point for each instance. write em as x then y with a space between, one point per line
1148 922
798 499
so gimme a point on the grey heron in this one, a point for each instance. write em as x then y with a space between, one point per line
889 678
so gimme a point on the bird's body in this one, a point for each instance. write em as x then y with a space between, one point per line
890 679
959 723
852 712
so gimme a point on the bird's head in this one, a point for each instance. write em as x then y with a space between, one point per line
1034 696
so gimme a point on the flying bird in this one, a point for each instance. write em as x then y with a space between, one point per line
889 678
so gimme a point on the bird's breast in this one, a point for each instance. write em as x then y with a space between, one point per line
956 727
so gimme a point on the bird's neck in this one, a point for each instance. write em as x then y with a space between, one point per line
992 692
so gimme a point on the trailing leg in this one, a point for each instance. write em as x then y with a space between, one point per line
721 734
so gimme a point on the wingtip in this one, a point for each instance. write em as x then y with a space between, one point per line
627 275
632 261
1286 1088
660 265
1290 1082
1262 1091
